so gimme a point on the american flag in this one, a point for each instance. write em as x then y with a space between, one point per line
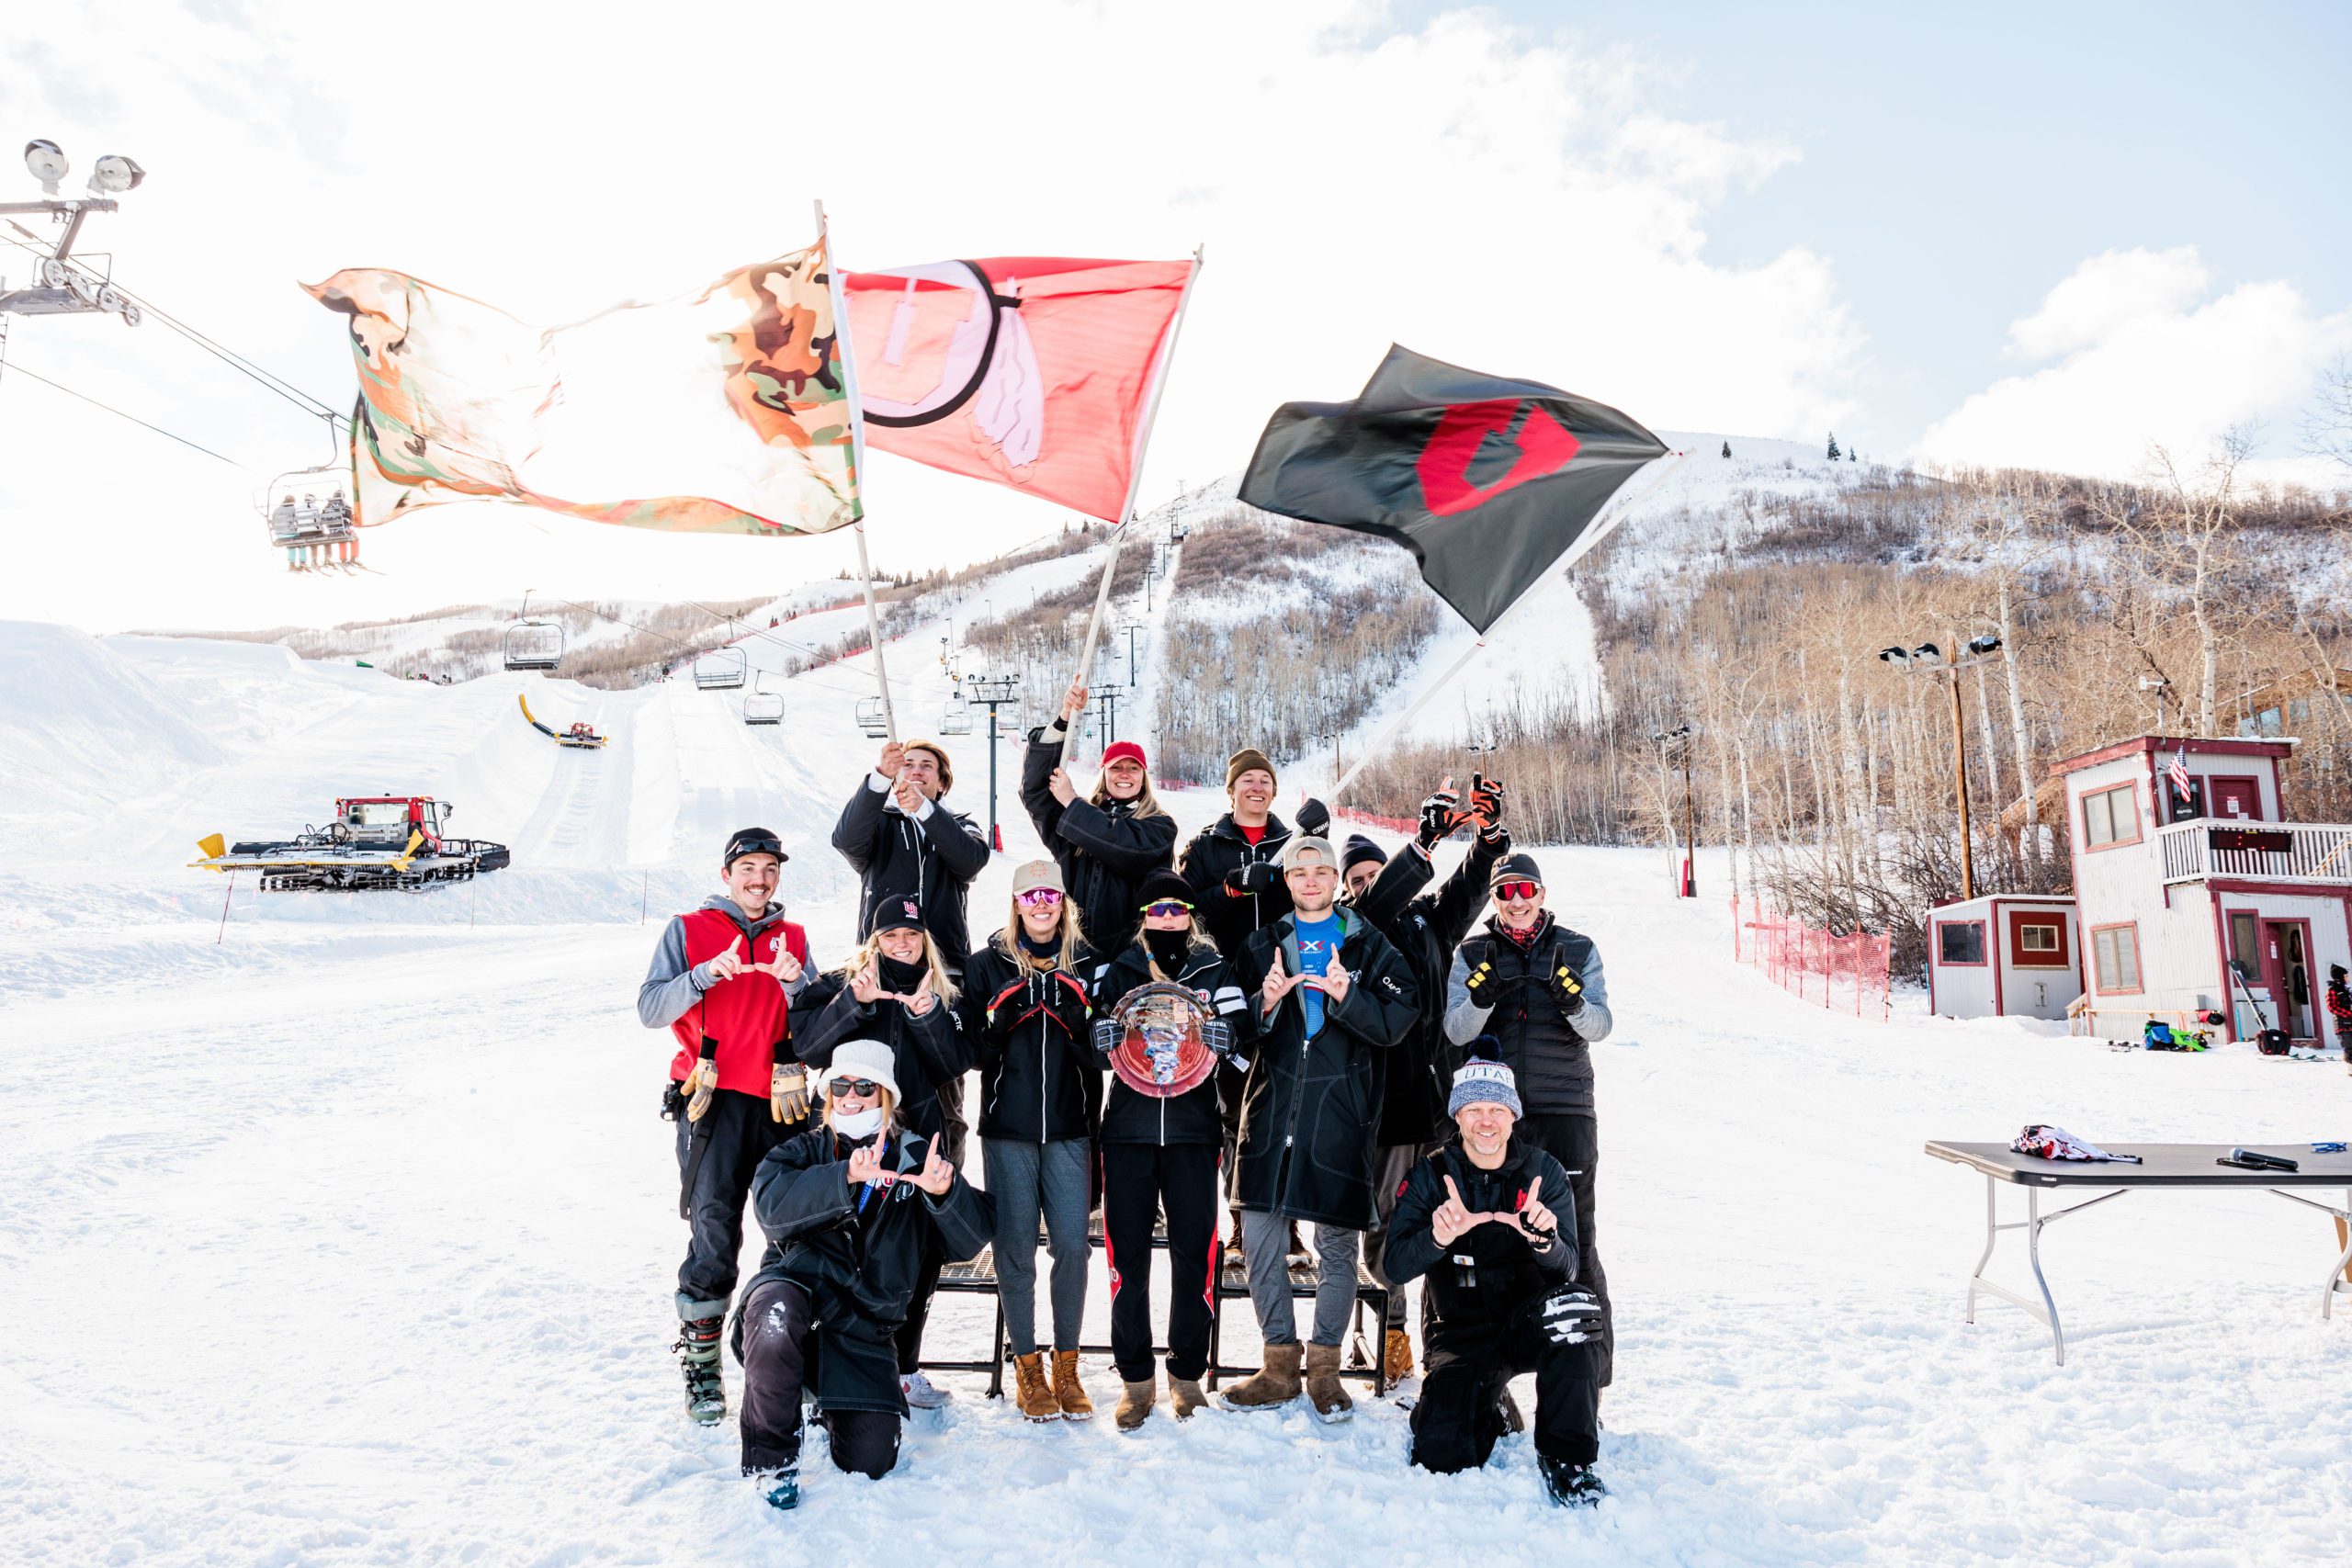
2179 771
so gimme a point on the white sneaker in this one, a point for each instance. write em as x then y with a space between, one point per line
921 1393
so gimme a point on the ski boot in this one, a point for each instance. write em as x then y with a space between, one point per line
1570 1485
697 1346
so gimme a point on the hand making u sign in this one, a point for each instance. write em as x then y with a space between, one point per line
936 1175
1333 982
1278 986
1536 1222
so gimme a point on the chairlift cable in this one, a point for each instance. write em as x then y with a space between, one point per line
134 418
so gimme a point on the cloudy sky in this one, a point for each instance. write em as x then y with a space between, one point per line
2042 234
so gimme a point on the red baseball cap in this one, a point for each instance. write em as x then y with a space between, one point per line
1127 750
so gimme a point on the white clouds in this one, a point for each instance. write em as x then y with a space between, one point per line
1518 207
2144 358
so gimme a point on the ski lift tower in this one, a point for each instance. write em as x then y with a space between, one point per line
992 692
68 288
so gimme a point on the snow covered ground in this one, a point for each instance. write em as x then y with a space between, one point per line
350 1238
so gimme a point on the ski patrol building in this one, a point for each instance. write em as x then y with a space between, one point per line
2006 955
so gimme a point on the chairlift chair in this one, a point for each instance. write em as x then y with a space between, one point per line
315 533
721 669
533 645
762 707
872 719
955 718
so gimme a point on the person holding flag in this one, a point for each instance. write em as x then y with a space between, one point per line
901 842
723 980
1106 843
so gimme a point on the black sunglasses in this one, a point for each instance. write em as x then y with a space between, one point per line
865 1089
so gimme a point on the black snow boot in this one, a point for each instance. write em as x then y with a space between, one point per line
1570 1485
697 1348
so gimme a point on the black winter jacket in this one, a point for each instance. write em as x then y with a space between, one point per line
1231 918
1309 1116
1418 1075
1104 851
1469 1304
1039 1084
859 1262
929 1055
1192 1117
931 859
1544 1048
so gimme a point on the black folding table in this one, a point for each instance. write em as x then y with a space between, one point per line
2175 1165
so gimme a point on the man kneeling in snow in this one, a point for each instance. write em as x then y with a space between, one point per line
1501 1264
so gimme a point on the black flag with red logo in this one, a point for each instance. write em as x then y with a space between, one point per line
1488 480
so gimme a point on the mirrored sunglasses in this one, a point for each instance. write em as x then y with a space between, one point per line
1166 907
865 1089
1519 890
1038 899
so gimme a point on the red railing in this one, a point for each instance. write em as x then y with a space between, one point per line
1845 974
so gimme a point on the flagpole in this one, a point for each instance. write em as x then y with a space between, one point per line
1135 480
857 464
1576 552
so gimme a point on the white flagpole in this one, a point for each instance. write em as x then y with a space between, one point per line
1574 553
857 462
1134 480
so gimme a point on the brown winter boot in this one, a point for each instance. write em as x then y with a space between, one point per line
1135 1405
1185 1396
1272 1384
1032 1393
1331 1401
1396 1358
1068 1393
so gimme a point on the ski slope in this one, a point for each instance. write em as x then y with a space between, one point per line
349 1236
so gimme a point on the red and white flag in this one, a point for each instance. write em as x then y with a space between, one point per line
1032 372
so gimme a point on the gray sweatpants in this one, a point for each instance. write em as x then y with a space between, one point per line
1265 1243
1024 1179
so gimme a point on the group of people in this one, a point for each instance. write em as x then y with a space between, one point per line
1410 1081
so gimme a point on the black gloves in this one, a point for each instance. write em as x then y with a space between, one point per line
1314 817
1570 1316
1441 814
1257 877
1066 999
1567 989
1057 995
1487 803
1006 1006
1483 986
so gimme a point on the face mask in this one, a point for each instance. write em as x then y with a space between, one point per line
1167 948
859 1124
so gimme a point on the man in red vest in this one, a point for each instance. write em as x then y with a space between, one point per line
722 981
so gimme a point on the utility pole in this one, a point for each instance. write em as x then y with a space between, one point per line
1930 658
993 692
1131 627
1109 699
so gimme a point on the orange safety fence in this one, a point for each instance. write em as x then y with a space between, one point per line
1844 974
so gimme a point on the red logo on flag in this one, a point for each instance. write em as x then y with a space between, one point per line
1544 445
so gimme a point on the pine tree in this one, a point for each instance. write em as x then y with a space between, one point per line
1726 449
1834 453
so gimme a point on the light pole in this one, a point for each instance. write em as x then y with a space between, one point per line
65 288
994 692
1131 629
1928 657
2159 685
1669 741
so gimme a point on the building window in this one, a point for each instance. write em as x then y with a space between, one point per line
2111 816
2114 959
1960 941
2245 951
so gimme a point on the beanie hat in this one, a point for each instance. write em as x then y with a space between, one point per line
1038 873
1518 866
892 911
2336 971
752 841
1479 1081
1160 885
862 1059
1127 750
1241 761
1303 844
946 772
1360 850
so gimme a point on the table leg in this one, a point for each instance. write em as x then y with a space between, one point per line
2045 1310
2339 1273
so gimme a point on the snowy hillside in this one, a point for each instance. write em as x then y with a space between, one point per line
348 1236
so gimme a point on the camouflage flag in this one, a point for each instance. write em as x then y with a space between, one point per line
723 411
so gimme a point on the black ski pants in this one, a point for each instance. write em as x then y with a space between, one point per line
909 1338
735 1135
1575 1142
1140 1181
1459 1415
776 1375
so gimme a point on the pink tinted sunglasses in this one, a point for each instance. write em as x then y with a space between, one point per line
1038 899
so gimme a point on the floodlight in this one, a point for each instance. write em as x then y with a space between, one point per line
114 173
47 161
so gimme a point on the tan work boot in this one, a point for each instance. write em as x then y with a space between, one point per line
1272 1384
1331 1401
1031 1390
1185 1396
1135 1405
1068 1393
1396 1358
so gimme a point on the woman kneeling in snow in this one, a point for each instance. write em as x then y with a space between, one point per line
850 1209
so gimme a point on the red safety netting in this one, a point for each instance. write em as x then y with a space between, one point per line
1845 974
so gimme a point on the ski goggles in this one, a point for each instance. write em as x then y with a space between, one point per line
1167 907
1519 890
1038 899
865 1089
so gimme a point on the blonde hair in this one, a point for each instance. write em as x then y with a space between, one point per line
1147 803
1008 941
870 951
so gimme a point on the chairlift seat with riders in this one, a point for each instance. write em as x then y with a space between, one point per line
316 534
721 669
